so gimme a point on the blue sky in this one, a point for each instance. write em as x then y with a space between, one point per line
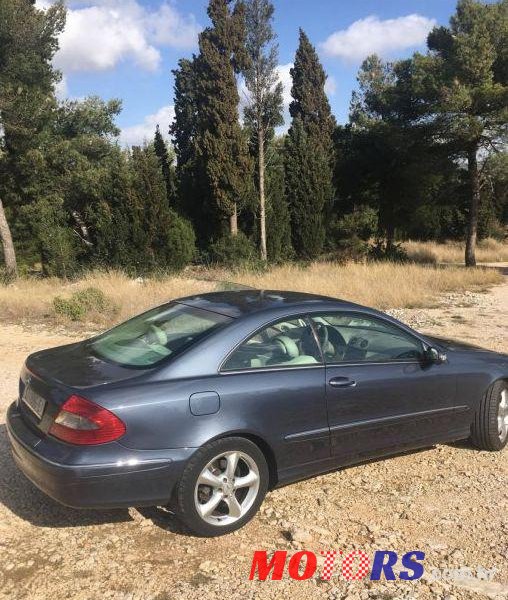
127 48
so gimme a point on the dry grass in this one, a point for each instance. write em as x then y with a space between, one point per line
488 251
383 285
32 299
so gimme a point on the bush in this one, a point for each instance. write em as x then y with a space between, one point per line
394 253
83 303
235 252
361 224
70 308
59 247
180 243
351 233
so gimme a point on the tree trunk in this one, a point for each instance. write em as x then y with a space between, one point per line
472 226
9 252
390 236
233 223
262 202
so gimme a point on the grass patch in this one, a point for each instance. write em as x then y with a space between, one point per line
105 298
487 251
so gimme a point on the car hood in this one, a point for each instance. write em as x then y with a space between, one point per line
75 365
458 346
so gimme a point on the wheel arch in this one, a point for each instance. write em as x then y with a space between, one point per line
263 445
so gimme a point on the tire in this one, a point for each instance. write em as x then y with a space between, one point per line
213 464
489 430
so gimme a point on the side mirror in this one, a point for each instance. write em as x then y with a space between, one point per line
435 356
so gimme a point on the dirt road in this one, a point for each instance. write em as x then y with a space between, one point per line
449 501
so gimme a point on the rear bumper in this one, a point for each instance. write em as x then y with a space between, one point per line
106 476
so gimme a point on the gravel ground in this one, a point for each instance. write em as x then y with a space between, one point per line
449 501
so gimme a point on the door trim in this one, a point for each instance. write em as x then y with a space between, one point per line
393 419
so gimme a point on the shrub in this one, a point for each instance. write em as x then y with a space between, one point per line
48 221
69 307
380 250
82 303
361 224
180 243
234 252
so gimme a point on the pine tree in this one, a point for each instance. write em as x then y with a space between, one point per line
220 144
161 150
265 104
463 85
28 41
309 153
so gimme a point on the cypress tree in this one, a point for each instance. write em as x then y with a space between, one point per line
224 164
278 223
190 184
162 238
309 153
165 162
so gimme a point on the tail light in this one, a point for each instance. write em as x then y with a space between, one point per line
81 421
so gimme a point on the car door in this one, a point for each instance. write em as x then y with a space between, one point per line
277 376
381 392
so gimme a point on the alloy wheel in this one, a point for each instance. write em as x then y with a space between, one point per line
227 488
502 416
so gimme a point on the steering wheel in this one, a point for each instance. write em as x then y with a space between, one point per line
323 335
332 341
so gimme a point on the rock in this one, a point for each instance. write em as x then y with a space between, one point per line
300 535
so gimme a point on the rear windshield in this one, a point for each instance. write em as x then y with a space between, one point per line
152 337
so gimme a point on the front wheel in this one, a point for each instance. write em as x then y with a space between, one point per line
489 430
222 487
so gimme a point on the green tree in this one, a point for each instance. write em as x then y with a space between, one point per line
278 222
68 173
386 158
166 165
190 180
161 237
463 83
220 143
309 153
265 105
28 41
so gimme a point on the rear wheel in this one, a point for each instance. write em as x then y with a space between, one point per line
222 487
489 430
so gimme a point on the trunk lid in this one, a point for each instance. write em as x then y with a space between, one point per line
51 376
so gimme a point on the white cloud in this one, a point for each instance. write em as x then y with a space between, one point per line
144 132
331 86
99 34
170 28
372 35
285 78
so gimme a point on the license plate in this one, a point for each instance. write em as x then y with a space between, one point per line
34 402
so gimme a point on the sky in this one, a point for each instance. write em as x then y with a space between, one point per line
127 48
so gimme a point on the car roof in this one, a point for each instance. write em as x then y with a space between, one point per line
238 303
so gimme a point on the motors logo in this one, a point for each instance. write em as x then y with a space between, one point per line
354 565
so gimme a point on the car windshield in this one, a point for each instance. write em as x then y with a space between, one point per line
152 337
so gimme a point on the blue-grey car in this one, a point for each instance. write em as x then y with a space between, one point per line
205 403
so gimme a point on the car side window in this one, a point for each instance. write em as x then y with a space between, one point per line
354 337
287 343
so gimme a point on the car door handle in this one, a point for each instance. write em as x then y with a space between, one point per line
342 382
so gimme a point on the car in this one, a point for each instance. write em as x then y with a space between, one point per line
207 402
